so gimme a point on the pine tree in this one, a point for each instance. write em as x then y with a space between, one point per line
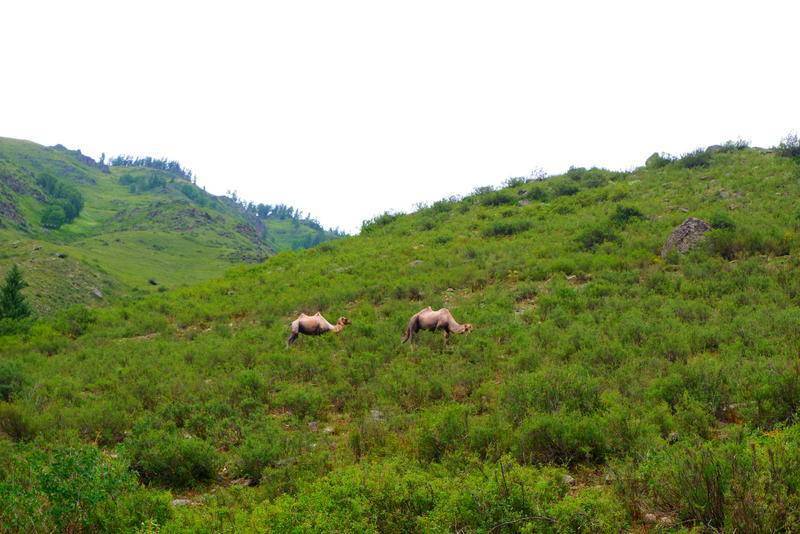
12 301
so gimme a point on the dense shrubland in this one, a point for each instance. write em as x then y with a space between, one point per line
603 386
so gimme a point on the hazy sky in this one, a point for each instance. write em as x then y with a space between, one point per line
347 109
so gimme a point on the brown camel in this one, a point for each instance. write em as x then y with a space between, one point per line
314 325
428 319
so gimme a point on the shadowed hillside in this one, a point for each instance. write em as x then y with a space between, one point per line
81 228
605 386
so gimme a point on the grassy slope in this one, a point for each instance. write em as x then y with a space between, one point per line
594 359
121 239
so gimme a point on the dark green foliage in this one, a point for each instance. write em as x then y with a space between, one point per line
197 195
11 379
656 160
53 217
166 457
697 158
537 192
734 145
624 214
138 183
722 221
564 189
262 448
12 301
789 146
507 227
66 201
498 198
72 489
591 237
160 164
378 221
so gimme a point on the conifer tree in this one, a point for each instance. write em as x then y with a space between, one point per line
12 301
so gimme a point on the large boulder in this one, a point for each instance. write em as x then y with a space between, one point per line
686 236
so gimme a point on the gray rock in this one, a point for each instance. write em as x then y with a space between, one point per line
686 236
60 255
181 502
328 430
313 426
97 293
376 415
415 263
568 480
650 518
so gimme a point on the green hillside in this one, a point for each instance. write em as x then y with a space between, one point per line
137 224
604 388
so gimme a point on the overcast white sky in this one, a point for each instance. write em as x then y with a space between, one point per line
346 109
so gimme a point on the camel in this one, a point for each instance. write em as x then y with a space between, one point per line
428 319
315 325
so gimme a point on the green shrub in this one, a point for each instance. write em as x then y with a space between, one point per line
53 217
538 193
656 160
302 400
73 489
789 146
697 158
722 221
565 189
498 198
12 379
593 510
260 449
15 423
562 438
507 228
624 214
378 222
166 458
591 237
442 431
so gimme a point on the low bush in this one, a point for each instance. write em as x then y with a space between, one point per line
73 489
507 228
12 379
167 458
562 438
789 146
591 237
697 158
624 214
656 160
498 198
262 447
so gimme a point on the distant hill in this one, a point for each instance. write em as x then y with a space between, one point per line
608 385
81 228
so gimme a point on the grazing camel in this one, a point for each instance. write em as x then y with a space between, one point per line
428 319
314 325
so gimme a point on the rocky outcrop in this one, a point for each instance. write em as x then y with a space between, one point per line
686 236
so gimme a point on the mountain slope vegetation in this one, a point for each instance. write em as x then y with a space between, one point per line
82 228
604 388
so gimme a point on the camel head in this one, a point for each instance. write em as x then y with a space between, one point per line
343 321
467 327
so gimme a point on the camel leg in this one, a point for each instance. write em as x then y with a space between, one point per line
291 339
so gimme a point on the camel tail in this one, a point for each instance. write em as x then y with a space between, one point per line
410 329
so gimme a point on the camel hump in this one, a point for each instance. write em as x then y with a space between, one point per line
317 314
